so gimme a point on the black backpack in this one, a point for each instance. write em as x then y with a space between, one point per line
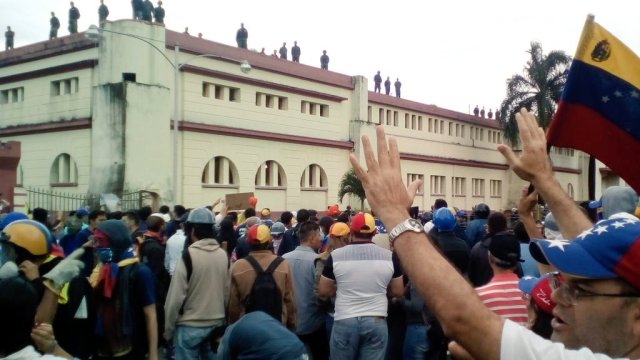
265 294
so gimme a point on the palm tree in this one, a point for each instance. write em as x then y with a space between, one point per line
350 184
538 89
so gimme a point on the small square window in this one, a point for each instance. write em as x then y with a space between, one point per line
234 94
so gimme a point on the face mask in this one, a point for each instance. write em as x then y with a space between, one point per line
105 255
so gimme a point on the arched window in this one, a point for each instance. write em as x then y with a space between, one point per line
313 177
570 190
220 171
64 171
271 174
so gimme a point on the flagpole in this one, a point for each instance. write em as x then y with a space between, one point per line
591 182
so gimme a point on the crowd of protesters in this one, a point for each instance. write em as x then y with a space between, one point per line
212 283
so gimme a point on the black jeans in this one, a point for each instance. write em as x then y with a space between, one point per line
317 343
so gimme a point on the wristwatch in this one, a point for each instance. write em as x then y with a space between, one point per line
412 225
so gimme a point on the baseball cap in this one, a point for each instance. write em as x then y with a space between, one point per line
539 289
506 248
610 249
82 212
333 210
265 212
278 228
339 229
200 216
259 234
616 199
363 223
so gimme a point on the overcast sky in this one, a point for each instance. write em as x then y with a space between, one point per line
453 54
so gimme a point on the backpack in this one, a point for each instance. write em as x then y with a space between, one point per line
265 294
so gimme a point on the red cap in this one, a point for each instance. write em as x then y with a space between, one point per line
363 223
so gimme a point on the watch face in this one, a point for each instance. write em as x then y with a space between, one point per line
415 225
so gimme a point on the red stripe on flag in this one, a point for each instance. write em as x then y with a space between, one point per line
629 265
579 127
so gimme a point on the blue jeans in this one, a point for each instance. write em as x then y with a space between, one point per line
193 343
363 337
415 342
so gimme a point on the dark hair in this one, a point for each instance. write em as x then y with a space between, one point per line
203 231
164 209
303 215
233 216
40 215
521 232
344 218
18 304
440 203
116 215
286 217
144 212
227 234
179 210
542 325
325 223
307 228
249 212
496 223
154 223
132 215
259 246
95 213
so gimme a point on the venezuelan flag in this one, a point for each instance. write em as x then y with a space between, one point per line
599 111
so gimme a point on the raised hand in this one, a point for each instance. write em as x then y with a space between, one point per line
533 164
382 181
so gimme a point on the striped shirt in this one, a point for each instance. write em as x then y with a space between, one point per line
502 296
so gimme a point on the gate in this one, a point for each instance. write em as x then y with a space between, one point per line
52 200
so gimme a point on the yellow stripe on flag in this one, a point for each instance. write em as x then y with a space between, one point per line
599 48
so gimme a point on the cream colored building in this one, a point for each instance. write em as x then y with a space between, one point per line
96 116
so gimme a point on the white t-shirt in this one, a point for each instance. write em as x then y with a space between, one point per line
522 344
29 353
173 251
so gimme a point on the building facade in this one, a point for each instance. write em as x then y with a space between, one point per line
97 115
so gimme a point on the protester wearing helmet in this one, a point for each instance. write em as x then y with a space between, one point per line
477 228
60 291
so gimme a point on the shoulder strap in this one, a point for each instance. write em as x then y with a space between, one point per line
254 263
188 263
274 265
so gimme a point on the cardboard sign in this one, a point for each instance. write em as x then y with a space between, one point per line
238 201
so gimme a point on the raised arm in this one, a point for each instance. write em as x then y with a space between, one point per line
534 166
455 304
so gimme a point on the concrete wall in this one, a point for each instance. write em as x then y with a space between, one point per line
40 150
248 155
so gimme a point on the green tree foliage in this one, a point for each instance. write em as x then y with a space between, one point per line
538 89
350 184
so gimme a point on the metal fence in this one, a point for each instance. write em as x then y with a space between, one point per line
68 201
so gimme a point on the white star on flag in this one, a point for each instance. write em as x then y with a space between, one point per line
605 99
635 94
618 225
560 244
584 234
630 221
600 229
617 93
